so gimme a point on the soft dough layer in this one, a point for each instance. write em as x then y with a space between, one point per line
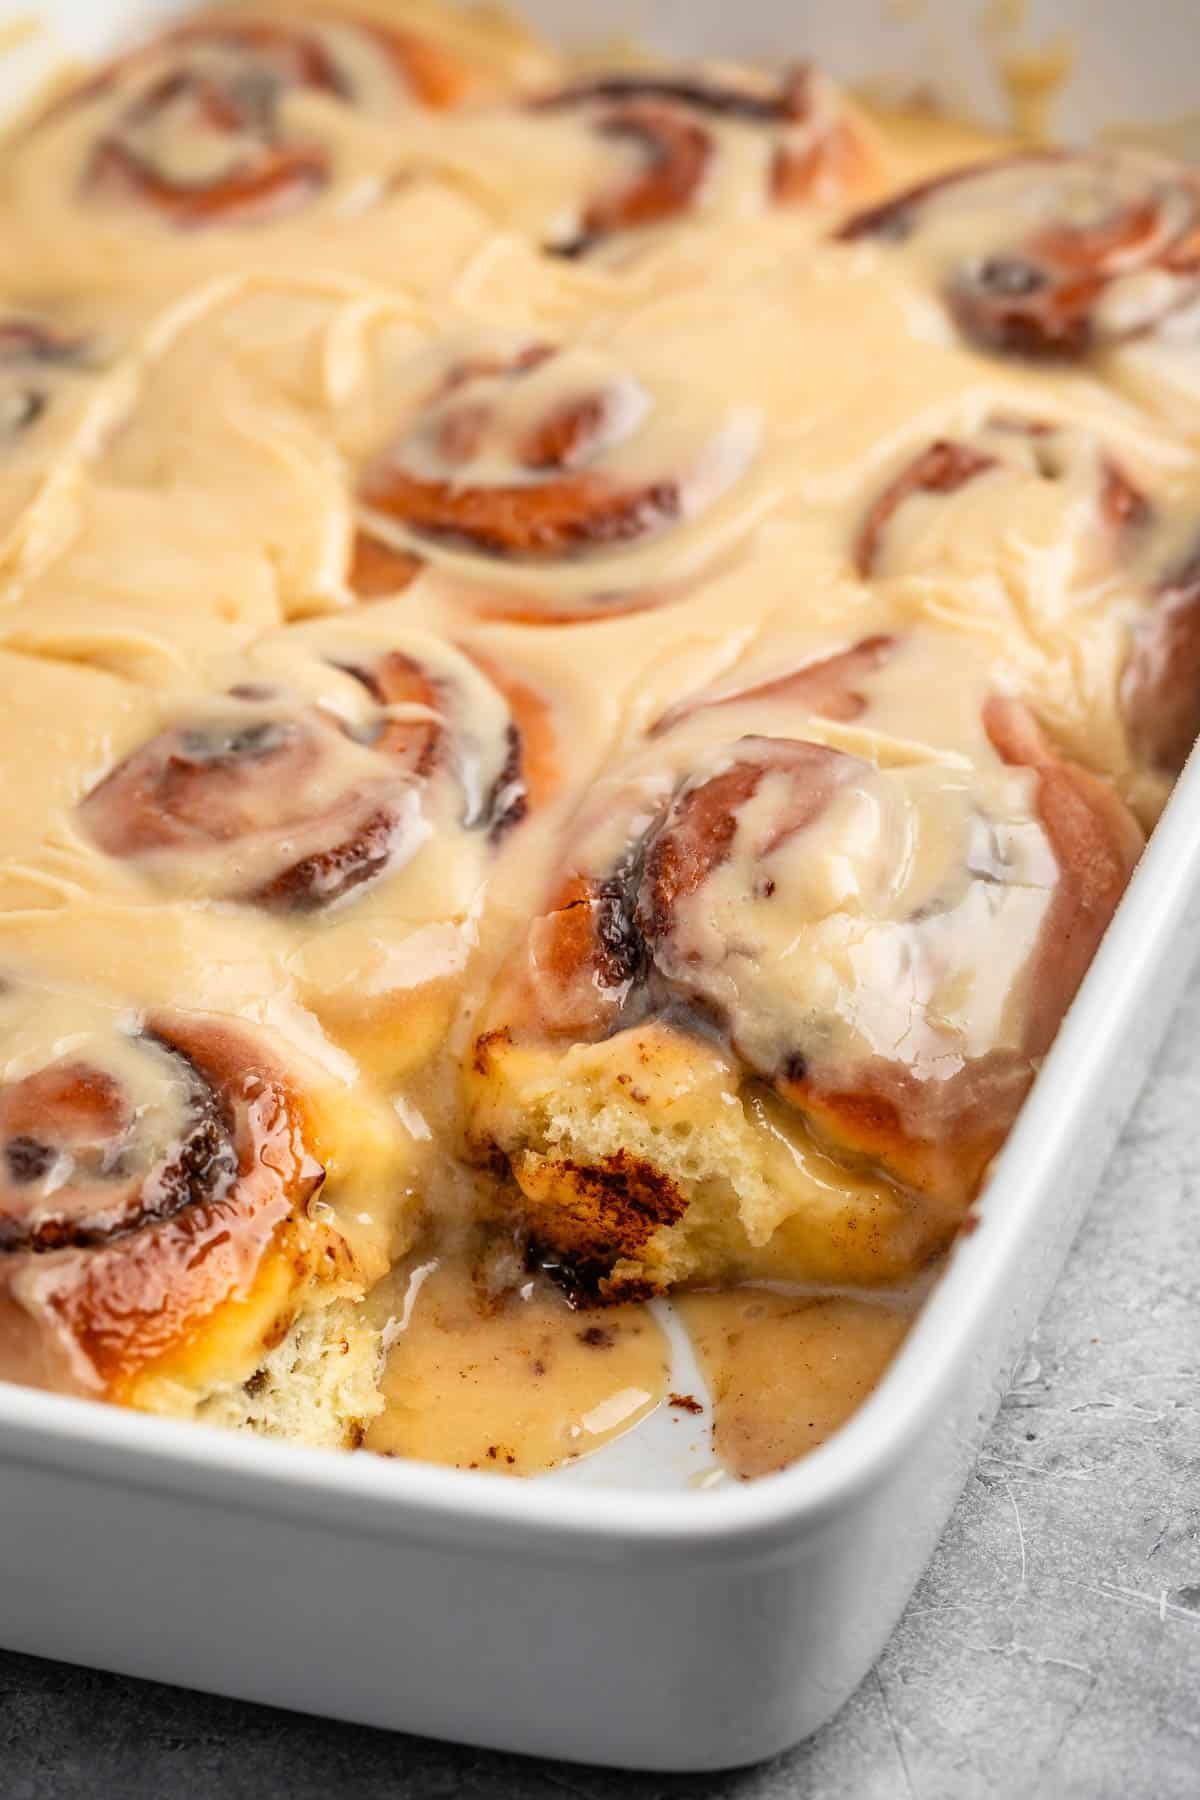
647 1161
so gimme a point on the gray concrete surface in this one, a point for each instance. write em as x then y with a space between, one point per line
1052 1651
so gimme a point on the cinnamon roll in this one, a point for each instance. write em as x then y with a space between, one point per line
541 456
949 506
298 797
198 127
1053 256
160 1229
784 1001
950 511
353 793
697 140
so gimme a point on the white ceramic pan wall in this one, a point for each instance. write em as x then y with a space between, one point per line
607 1619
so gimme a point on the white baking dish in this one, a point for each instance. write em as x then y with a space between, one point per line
595 1617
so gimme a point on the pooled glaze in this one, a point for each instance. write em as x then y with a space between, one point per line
784 1371
570 616
516 1383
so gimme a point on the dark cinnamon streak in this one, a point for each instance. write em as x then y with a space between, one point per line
327 876
893 219
699 96
200 1167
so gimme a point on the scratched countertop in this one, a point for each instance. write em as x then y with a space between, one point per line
1052 1651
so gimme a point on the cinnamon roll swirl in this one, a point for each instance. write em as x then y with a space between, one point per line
950 510
197 128
1049 255
296 798
1065 485
541 456
789 142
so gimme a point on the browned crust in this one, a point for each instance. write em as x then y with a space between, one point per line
72 1106
871 1126
99 1320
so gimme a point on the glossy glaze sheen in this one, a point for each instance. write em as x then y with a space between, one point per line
819 1559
